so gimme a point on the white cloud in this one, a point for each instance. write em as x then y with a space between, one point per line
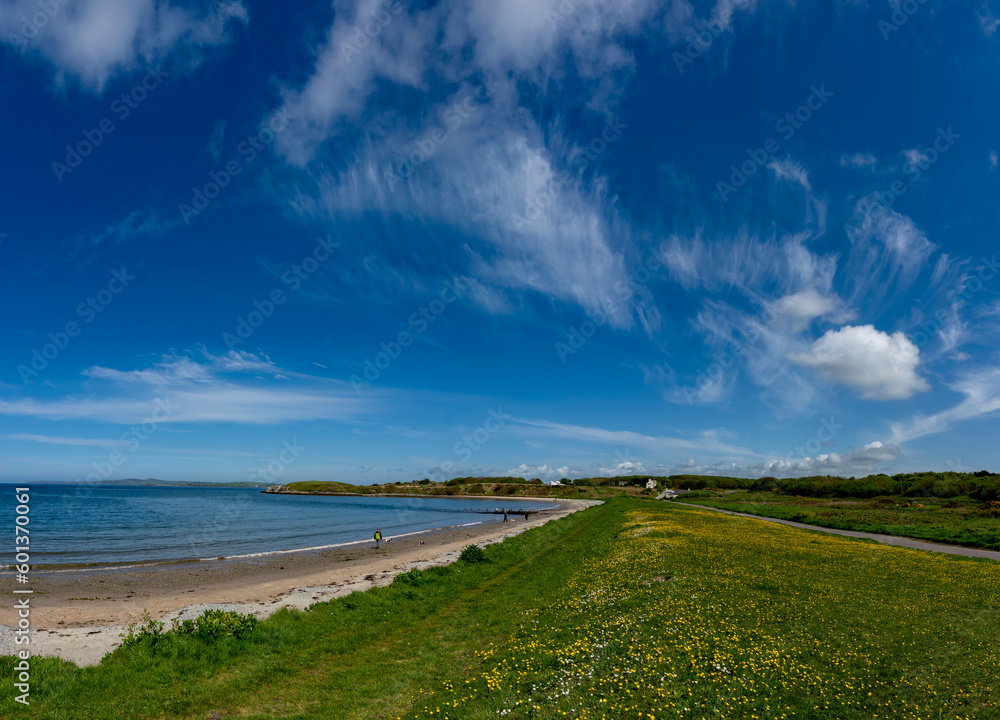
238 388
93 40
878 365
981 389
54 440
543 472
500 164
888 252
859 161
790 170
140 222
987 20
857 461
802 307
993 159
215 141
707 440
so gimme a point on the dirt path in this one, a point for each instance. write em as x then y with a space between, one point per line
887 539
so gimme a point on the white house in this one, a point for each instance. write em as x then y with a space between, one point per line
651 484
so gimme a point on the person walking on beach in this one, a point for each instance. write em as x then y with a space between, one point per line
505 515
378 536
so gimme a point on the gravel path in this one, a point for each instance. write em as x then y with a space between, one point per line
887 539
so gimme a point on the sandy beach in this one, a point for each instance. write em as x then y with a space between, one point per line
78 615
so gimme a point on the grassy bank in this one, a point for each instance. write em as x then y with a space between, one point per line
958 520
626 608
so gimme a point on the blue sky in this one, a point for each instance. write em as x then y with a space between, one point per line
377 241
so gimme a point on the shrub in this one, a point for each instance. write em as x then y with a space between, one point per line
143 630
473 554
990 509
411 577
214 624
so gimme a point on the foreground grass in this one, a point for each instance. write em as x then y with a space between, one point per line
957 521
630 609
363 656
688 613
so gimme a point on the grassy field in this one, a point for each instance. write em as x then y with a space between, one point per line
630 609
959 521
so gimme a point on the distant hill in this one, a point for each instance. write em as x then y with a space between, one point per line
179 483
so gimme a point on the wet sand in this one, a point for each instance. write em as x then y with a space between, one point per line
78 615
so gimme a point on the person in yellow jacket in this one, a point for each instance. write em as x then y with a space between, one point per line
378 536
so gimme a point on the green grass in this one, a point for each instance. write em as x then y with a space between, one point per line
957 521
362 656
629 607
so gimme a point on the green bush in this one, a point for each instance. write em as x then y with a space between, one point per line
214 624
144 630
411 577
473 554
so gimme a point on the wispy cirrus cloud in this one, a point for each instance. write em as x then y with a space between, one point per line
981 389
58 440
708 440
237 388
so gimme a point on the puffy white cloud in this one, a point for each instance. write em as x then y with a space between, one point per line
880 366
92 40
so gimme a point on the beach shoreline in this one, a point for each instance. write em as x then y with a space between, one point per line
78 615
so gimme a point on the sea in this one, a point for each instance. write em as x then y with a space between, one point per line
91 526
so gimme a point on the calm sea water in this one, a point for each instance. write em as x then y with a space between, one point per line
113 525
